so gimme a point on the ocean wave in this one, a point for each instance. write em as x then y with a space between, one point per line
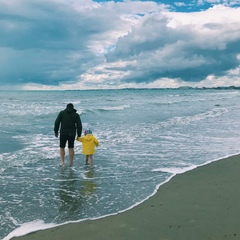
114 108
28 227
213 113
175 170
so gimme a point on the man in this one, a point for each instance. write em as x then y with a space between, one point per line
70 123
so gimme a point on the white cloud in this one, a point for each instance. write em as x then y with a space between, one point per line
189 46
85 44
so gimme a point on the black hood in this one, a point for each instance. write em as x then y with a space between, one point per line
70 110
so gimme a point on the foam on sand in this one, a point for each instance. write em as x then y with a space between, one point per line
29 227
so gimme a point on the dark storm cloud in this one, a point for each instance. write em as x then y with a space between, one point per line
47 42
181 52
55 42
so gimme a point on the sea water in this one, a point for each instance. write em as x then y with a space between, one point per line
146 137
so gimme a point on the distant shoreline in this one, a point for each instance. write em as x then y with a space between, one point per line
119 89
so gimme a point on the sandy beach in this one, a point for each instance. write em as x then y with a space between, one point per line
202 204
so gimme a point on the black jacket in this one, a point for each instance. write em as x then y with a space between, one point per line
70 122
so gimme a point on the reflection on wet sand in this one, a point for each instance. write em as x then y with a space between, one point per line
75 193
89 186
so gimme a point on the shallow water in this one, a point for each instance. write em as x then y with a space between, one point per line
145 137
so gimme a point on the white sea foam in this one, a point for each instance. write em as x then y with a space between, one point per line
198 117
28 227
115 108
174 170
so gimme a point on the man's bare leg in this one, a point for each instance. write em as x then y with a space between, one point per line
62 155
71 156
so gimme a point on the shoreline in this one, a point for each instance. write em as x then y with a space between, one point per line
197 204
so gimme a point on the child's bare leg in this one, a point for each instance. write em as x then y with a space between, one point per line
91 160
86 160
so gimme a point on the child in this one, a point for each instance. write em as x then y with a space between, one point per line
88 143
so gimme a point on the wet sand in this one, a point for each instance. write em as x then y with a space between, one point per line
202 204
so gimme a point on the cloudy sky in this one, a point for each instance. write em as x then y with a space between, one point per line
87 44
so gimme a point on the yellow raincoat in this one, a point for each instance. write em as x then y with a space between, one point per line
89 142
